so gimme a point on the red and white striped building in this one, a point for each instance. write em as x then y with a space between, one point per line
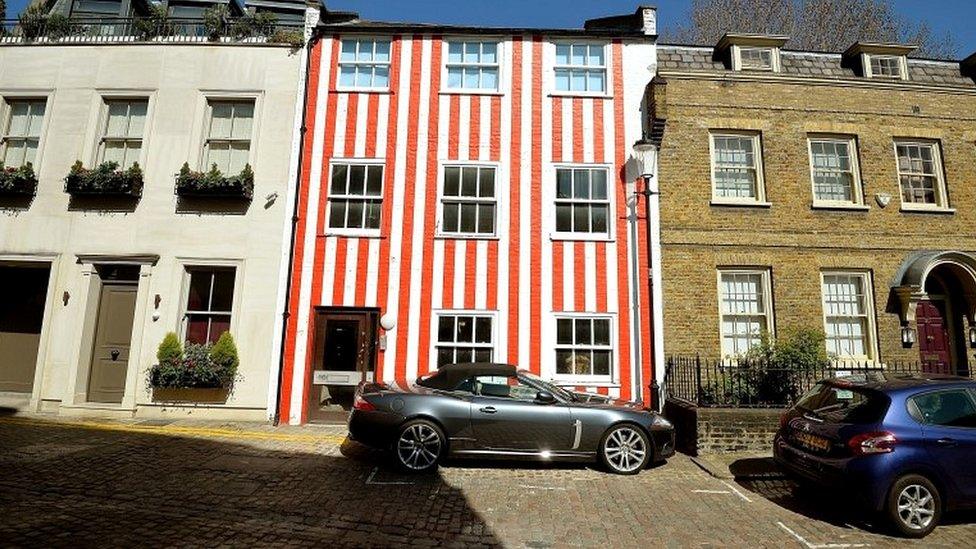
468 194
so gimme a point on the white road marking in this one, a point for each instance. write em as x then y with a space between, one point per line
369 479
711 492
531 487
737 492
809 545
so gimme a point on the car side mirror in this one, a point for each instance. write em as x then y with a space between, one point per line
544 397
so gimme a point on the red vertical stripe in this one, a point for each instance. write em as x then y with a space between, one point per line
495 145
410 186
557 276
601 277
386 223
474 129
579 276
288 368
557 129
579 132
352 113
492 298
598 149
535 241
623 287
448 278
372 116
362 271
470 272
430 209
514 208
452 135
339 275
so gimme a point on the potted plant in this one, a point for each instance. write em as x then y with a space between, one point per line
105 180
213 183
155 24
196 373
20 181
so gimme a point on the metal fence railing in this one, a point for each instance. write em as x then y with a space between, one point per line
143 29
758 384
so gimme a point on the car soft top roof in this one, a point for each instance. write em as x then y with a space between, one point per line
450 376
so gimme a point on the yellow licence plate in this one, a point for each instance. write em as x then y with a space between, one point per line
813 441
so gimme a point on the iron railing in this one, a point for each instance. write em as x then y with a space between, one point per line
138 29
758 384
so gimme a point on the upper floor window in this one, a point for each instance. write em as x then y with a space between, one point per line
228 144
209 302
468 200
886 66
848 320
22 132
472 66
356 196
364 63
583 348
920 174
464 338
581 68
122 131
737 167
744 308
755 58
833 166
582 201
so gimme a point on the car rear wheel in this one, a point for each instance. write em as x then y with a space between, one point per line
419 446
914 506
625 450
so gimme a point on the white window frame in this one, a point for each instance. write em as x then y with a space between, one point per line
738 65
104 138
575 379
373 63
607 64
767 302
209 102
867 58
497 65
359 232
942 195
436 343
556 234
857 194
7 120
870 334
756 136
442 198
184 266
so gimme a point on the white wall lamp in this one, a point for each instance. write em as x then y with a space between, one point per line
972 335
908 336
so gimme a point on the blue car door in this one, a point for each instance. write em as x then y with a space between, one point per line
949 427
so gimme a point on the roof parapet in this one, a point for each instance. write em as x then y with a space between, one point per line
730 39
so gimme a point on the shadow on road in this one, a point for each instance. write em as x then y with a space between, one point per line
64 485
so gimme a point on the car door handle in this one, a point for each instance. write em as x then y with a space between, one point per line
487 410
946 442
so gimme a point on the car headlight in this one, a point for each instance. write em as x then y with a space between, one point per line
660 421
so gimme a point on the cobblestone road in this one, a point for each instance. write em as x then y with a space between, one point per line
157 484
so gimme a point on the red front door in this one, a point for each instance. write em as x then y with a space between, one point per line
933 337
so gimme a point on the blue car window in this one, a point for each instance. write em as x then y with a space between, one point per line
954 408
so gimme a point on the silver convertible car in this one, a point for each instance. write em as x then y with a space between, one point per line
499 411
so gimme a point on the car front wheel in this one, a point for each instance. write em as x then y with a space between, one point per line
914 506
419 446
625 450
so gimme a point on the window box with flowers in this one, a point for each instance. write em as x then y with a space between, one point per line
105 180
196 373
20 181
214 184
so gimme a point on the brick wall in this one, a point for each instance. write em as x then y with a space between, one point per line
736 430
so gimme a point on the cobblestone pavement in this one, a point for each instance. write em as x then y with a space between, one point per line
154 483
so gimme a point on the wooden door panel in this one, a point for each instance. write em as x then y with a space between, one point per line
933 334
113 337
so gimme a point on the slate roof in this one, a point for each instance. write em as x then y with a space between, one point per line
812 64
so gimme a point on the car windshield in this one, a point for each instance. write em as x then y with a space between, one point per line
844 404
554 389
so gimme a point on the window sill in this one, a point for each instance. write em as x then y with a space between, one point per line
840 206
352 234
584 95
908 208
384 91
492 93
449 236
740 203
577 237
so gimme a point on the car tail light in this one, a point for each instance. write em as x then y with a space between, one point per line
784 419
867 444
360 403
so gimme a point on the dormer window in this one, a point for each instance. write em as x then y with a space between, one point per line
879 61
756 59
886 66
751 52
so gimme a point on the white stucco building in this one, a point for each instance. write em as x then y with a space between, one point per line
91 283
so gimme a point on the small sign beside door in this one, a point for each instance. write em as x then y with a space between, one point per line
338 377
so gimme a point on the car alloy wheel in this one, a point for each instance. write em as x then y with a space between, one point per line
914 506
625 450
419 446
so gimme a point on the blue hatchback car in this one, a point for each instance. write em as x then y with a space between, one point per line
904 445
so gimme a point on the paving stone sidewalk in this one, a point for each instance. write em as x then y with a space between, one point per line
115 484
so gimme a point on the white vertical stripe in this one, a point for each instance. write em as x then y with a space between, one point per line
373 272
525 207
460 249
438 282
484 129
503 190
396 232
352 270
569 275
342 114
547 339
589 264
362 126
382 121
328 273
566 109
297 395
608 124
464 126
588 135
481 274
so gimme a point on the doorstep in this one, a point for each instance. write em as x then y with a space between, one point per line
739 466
96 410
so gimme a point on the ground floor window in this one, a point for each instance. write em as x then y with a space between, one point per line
209 303
583 349
744 299
464 337
847 314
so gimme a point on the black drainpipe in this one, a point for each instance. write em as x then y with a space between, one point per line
294 224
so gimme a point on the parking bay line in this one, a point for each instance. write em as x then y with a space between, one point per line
369 479
711 492
809 545
737 492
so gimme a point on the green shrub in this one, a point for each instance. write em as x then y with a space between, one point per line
216 21
170 349
32 21
294 38
106 178
156 23
58 26
224 352
196 367
22 180
215 183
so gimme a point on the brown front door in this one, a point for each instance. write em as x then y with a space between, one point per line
23 290
344 348
113 336
933 336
